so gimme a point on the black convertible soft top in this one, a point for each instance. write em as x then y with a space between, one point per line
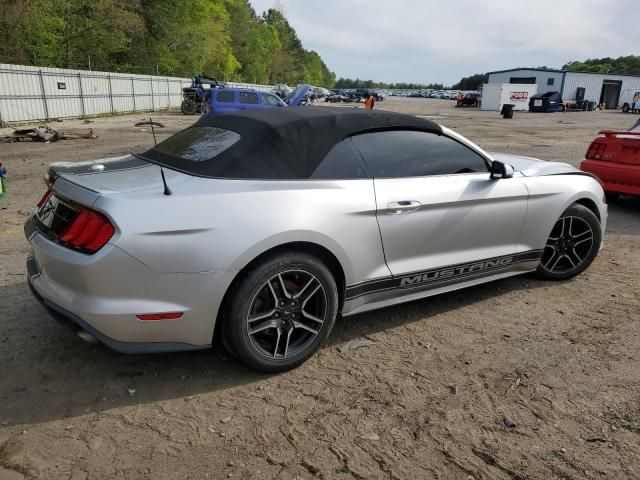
275 143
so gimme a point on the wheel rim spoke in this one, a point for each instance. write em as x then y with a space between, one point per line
262 316
583 241
264 326
310 296
303 289
284 289
275 350
586 233
553 255
573 257
560 257
312 317
286 345
273 292
302 326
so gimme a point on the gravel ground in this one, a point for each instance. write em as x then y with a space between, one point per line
517 379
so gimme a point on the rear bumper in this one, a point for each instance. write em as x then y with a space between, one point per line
79 326
101 295
617 177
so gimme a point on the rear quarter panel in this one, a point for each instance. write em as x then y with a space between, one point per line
221 225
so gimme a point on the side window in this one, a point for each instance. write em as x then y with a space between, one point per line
342 162
406 153
271 100
248 97
225 96
550 81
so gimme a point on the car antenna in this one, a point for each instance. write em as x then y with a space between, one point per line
167 190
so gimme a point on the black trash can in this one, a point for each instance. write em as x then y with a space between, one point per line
591 106
507 110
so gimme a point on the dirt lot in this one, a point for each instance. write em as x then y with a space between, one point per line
427 399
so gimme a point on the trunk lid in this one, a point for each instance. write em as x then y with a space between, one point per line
123 174
616 146
76 187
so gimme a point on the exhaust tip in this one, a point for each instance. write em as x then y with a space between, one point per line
87 337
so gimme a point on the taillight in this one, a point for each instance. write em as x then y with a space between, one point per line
596 150
44 198
89 231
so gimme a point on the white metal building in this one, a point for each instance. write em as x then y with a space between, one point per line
612 90
495 95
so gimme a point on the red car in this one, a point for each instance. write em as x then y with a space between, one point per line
614 157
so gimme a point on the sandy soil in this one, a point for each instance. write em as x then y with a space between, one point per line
431 397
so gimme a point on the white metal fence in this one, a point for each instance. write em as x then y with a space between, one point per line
38 93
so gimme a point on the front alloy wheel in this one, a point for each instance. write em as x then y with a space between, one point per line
572 245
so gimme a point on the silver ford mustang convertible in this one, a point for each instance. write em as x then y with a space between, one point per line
264 226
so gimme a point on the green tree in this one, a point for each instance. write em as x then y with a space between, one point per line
629 65
472 83
221 38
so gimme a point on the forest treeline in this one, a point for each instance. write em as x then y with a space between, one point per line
225 39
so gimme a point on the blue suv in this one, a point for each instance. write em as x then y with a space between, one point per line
221 100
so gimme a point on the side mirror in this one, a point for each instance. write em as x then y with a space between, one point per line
500 170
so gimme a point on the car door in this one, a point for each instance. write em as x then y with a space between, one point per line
269 100
249 100
437 205
225 101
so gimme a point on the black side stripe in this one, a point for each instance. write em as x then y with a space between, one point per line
443 276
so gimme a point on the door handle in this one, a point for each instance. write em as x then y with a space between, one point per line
403 206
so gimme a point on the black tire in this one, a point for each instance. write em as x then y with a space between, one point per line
612 196
188 107
262 291
573 244
625 108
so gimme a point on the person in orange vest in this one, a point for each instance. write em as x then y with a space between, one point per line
369 102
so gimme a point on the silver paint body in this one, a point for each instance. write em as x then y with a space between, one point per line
181 252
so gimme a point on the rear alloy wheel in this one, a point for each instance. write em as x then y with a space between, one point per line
281 312
572 245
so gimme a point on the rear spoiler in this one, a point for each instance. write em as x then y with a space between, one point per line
617 133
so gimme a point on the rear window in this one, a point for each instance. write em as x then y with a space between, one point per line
197 144
225 96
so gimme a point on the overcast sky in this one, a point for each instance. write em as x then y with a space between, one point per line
427 41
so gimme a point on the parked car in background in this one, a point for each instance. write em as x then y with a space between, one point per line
360 94
322 92
337 97
469 99
614 157
303 95
630 101
222 100
282 90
